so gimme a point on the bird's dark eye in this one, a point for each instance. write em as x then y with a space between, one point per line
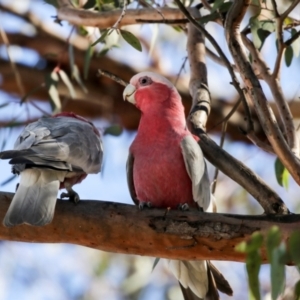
145 80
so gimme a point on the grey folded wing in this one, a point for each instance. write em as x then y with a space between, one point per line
196 168
61 143
130 182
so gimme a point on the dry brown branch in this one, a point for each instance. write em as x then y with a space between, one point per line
107 19
283 108
121 228
198 79
263 109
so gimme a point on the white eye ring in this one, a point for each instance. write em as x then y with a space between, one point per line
145 80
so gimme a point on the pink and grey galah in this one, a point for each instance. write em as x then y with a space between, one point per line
51 154
166 169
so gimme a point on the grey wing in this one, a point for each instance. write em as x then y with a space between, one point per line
62 143
196 168
130 182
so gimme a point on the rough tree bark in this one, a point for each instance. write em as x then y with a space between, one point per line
153 232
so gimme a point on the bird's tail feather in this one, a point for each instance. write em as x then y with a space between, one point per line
199 279
35 198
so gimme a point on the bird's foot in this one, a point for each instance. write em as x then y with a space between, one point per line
72 195
142 205
183 206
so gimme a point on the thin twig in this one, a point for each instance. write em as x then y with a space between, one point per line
180 70
112 77
116 25
281 45
229 115
13 66
292 39
224 128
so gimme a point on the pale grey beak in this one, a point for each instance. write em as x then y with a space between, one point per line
128 93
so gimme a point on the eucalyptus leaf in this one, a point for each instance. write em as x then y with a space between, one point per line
253 263
51 84
66 80
296 43
156 261
288 55
101 38
277 271
131 39
281 173
87 61
115 130
293 244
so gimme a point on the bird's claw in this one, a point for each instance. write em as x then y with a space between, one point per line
73 196
183 206
142 205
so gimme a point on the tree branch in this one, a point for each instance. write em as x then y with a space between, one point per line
121 228
107 19
284 111
262 107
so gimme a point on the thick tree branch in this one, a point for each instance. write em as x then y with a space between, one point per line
198 80
121 228
107 19
263 109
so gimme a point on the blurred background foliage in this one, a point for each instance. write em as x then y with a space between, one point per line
48 66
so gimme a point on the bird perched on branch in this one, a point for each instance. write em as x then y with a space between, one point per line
51 154
166 169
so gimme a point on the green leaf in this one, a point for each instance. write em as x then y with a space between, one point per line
82 31
225 7
293 245
217 4
211 17
77 77
282 174
89 4
255 25
260 31
65 78
253 262
297 291
87 61
114 130
253 244
296 43
277 271
288 55
51 84
268 25
101 38
156 261
272 240
71 57
131 39
52 2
